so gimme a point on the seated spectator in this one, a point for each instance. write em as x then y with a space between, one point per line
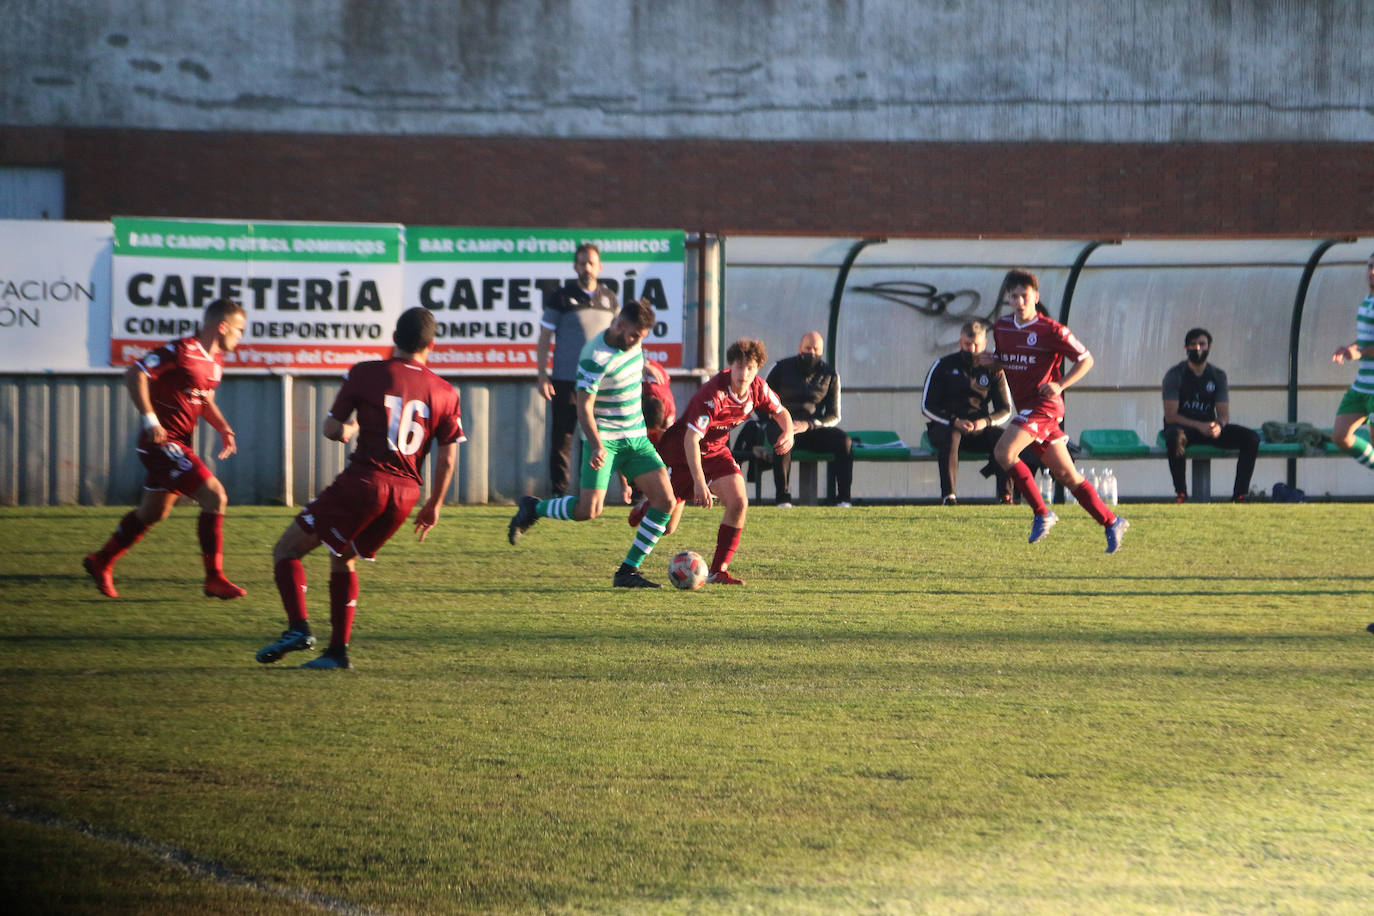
1197 411
966 405
809 389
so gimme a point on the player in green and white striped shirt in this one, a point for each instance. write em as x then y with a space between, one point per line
610 376
1358 402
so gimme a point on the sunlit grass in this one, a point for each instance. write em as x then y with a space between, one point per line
905 710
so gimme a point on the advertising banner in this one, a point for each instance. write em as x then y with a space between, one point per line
486 287
54 295
318 296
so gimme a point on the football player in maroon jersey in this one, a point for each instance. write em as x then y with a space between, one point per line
696 448
1031 349
402 408
173 387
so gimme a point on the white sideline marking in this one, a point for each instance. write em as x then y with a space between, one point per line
200 868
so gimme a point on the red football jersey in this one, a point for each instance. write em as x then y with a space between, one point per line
657 383
1032 355
402 408
181 376
712 412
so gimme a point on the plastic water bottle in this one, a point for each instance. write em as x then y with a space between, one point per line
1109 484
1095 479
1046 485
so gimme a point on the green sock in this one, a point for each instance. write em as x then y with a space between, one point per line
653 526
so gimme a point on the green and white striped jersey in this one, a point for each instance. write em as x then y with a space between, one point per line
615 378
1364 336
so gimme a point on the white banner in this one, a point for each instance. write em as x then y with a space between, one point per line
486 287
318 295
54 295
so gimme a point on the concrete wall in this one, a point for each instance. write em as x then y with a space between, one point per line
886 70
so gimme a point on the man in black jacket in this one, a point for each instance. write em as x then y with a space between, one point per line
810 391
966 405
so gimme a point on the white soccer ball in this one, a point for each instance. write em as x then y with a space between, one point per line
687 570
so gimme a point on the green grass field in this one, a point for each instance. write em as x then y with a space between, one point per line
887 719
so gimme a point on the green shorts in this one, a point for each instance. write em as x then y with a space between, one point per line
631 457
1356 402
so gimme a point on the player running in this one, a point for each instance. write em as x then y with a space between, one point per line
173 387
1031 348
697 448
610 377
402 409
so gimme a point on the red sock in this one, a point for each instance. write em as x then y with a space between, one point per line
210 528
1087 497
727 542
126 534
1025 485
343 602
290 576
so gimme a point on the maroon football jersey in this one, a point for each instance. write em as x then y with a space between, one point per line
181 376
402 408
712 412
1033 355
657 384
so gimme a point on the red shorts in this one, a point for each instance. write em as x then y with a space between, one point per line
172 467
715 466
359 512
1043 426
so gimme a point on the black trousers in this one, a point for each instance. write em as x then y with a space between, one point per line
1178 438
562 427
946 441
822 439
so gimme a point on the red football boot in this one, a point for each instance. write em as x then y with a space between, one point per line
103 576
216 586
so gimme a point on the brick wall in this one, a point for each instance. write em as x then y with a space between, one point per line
736 187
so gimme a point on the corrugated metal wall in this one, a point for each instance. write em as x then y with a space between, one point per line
69 439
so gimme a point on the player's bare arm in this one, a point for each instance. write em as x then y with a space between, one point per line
587 419
137 384
1080 369
783 445
691 447
445 459
213 416
1351 352
338 431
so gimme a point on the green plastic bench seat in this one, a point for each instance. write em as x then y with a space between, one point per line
1113 443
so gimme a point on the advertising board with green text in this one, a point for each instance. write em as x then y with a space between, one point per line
486 287
318 296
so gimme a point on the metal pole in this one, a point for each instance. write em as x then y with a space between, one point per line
832 331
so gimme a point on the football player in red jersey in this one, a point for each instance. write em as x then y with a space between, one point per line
402 409
173 387
696 448
1031 349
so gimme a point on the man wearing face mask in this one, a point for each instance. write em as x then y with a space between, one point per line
809 389
1197 410
966 405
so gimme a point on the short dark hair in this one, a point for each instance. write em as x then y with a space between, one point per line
414 330
654 414
747 348
1018 277
586 246
639 314
221 310
1196 333
974 328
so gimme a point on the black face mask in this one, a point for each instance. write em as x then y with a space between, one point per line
808 361
1196 356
